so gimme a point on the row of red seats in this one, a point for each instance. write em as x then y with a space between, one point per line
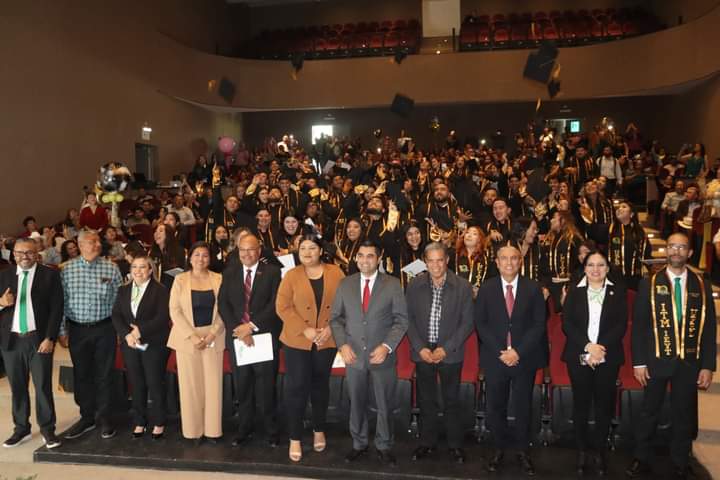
620 15
373 38
549 380
566 29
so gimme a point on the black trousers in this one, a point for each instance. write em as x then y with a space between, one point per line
22 360
92 350
255 384
146 373
500 384
597 388
307 376
427 389
683 408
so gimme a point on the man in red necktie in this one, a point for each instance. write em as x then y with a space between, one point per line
510 320
368 320
247 306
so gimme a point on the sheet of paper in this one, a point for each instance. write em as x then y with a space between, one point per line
5 254
415 268
346 166
174 272
338 362
262 351
288 261
328 166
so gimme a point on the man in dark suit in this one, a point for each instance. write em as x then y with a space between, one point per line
673 341
368 319
31 309
510 320
247 306
440 318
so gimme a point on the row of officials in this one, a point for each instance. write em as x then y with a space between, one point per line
314 311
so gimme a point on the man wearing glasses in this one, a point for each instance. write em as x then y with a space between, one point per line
31 309
673 341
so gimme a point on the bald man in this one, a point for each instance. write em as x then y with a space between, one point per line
247 306
510 320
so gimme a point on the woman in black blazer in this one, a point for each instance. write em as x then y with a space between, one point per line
142 320
594 322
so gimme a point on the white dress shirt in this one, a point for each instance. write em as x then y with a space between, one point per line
594 310
135 304
31 325
372 279
514 284
253 272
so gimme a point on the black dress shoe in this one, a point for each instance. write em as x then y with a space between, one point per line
495 461
458 455
637 468
107 431
139 434
386 457
80 428
158 436
422 452
273 442
602 467
240 439
213 440
355 454
526 464
581 462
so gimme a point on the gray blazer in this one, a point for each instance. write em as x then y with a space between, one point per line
456 317
386 320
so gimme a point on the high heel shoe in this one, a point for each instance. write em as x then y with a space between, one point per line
295 452
319 442
158 435
138 433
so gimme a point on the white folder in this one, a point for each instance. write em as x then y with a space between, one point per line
262 351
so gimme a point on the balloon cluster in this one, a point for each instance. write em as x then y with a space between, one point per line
226 144
435 124
113 177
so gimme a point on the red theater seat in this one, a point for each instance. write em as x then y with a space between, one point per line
501 36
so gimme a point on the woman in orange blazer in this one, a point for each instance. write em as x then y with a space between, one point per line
198 338
303 303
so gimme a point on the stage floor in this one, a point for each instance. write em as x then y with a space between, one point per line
173 453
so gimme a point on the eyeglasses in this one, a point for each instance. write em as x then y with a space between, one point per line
248 250
677 247
25 253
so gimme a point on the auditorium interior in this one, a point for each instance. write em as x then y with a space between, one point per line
155 84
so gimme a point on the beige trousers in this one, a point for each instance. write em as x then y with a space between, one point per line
200 381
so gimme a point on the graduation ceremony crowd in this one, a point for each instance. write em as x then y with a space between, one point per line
340 252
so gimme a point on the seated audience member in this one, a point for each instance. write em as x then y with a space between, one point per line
137 218
93 215
166 253
30 225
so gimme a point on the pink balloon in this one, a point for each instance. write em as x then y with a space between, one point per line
226 144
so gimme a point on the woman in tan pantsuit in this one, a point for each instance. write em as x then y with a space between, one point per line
198 338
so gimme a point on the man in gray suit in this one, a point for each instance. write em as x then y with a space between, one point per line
368 320
440 311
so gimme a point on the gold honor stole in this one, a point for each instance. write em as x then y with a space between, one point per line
668 336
